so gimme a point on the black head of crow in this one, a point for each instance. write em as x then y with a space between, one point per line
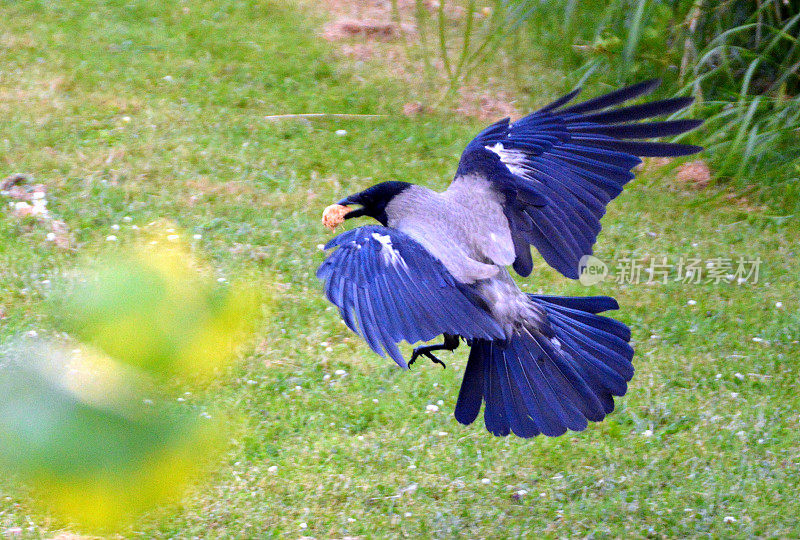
437 263
373 201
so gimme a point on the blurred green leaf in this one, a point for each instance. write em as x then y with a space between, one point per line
80 430
85 426
152 309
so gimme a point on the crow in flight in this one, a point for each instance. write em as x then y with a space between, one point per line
436 264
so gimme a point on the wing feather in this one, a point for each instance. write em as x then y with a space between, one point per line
389 289
559 167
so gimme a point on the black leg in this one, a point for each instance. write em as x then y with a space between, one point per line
450 344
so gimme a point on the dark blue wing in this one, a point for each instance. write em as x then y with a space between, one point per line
559 167
389 288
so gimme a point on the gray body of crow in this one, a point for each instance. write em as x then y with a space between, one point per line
466 229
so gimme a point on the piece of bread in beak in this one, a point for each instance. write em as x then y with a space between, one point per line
333 216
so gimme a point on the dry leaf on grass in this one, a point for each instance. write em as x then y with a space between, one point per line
694 173
13 180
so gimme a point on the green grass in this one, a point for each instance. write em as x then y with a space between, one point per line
357 454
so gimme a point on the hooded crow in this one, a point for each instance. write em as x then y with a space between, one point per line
437 263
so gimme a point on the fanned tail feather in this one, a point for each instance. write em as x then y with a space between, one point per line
551 380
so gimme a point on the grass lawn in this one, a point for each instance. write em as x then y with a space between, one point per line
134 112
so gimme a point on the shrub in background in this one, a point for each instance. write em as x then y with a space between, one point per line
740 59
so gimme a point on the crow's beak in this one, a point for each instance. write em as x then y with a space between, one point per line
334 215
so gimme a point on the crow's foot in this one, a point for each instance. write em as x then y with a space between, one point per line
450 344
426 351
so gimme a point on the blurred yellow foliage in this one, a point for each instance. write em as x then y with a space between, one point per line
91 439
85 426
151 308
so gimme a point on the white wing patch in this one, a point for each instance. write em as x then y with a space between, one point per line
390 255
513 159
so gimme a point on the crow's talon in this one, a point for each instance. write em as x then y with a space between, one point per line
423 351
436 360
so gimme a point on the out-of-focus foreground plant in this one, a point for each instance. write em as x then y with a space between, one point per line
85 424
153 310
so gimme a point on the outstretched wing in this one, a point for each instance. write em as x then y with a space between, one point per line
558 168
389 288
